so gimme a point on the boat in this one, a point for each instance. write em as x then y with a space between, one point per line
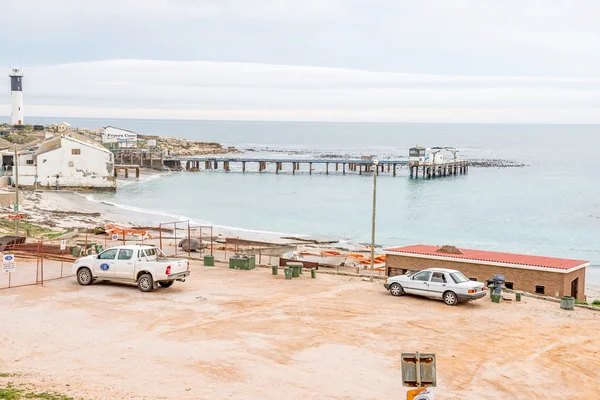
129 233
326 257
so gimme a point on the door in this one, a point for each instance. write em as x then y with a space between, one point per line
437 284
418 283
104 265
575 287
124 264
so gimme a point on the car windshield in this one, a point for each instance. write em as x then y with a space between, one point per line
459 277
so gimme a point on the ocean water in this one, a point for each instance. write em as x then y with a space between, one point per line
551 207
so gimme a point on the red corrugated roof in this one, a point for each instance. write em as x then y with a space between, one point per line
493 256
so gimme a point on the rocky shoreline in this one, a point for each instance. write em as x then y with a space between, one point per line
186 147
496 163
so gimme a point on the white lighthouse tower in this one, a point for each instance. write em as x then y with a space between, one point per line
16 94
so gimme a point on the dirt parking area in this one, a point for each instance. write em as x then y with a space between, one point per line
249 335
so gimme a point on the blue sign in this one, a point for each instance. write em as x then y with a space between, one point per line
104 267
8 258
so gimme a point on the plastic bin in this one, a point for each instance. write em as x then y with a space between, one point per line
209 261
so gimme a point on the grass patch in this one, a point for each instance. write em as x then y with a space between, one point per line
583 303
6 375
596 303
55 235
12 393
24 227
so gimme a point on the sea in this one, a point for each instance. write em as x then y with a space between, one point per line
550 206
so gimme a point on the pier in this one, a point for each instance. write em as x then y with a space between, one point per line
141 157
433 170
126 168
293 165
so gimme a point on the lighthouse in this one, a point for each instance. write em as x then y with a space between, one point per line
16 94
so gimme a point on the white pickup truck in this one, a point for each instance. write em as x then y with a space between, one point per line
145 266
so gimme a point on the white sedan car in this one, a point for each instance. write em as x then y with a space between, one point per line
448 284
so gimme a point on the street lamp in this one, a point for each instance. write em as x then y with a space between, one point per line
373 218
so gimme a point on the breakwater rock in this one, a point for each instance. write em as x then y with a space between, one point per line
496 163
185 147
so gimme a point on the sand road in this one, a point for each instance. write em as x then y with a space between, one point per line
248 335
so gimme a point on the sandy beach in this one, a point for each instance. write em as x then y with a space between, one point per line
65 211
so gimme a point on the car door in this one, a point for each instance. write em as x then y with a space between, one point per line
124 264
438 284
418 283
104 265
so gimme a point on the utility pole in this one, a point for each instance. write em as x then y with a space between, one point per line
373 220
16 172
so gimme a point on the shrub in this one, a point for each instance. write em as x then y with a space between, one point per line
596 303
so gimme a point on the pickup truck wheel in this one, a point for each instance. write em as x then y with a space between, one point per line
396 289
84 276
450 298
145 283
166 284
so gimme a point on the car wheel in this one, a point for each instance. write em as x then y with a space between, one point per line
396 289
84 276
166 284
450 298
145 283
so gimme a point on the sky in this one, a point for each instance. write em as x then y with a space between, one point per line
528 61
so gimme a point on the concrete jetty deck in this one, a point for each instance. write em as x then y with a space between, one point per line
360 166
295 164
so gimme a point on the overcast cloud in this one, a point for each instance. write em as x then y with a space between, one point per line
379 60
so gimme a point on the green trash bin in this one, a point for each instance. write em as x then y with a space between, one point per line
274 269
313 273
75 251
242 262
209 261
518 296
295 266
567 303
288 272
495 298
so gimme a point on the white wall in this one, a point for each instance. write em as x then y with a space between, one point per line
92 168
23 158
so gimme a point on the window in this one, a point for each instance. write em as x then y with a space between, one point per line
459 277
539 289
150 252
422 276
108 254
29 162
438 277
75 152
125 254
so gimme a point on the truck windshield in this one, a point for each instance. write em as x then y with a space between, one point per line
459 277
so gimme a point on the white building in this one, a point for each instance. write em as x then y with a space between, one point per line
63 127
16 97
117 138
68 161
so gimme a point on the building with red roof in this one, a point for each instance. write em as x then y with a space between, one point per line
550 276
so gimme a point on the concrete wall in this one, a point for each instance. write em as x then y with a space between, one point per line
9 198
27 175
23 158
556 284
93 167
